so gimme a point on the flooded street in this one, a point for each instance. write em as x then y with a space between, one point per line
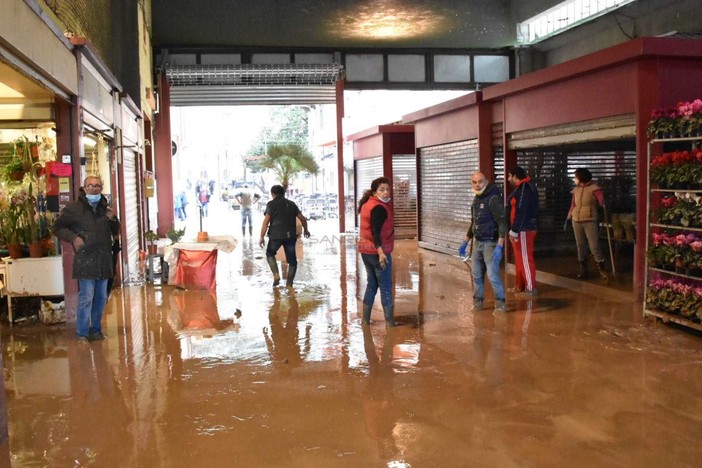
255 376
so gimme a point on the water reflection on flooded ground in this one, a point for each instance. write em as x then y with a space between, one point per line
256 376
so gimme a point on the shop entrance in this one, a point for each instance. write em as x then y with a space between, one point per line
613 167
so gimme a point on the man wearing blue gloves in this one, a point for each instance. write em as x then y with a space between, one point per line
487 229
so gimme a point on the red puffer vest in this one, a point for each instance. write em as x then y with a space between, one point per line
387 233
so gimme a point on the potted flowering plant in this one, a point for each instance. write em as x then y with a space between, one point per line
678 169
663 252
685 119
675 297
684 210
662 123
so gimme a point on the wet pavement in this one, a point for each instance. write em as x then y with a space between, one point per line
256 376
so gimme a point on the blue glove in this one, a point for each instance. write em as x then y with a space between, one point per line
566 224
462 249
497 254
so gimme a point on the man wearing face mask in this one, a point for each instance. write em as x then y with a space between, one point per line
89 224
488 228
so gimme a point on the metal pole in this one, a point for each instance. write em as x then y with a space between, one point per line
609 240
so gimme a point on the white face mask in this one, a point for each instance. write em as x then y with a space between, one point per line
479 192
385 200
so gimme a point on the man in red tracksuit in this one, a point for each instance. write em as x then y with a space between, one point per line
522 209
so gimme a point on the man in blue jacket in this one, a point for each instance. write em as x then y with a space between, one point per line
521 211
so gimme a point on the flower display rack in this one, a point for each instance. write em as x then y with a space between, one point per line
674 233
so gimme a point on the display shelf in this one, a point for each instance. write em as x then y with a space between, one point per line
670 226
668 190
666 317
650 225
674 273
673 140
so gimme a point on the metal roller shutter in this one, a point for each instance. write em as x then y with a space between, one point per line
613 167
445 194
130 247
404 174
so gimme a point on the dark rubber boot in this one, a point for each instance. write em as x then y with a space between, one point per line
601 270
582 270
366 313
243 232
292 270
389 318
251 231
273 263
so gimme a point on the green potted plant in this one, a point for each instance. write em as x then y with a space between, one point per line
175 235
151 238
14 171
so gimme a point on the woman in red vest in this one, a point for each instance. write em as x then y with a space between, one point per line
375 245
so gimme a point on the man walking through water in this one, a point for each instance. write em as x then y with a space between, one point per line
279 223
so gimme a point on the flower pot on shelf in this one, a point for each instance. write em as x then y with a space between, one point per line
152 249
36 249
15 250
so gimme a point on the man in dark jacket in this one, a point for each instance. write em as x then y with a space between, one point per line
488 229
521 211
89 224
279 222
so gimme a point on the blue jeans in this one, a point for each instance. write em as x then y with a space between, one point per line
378 278
246 214
482 260
92 297
288 246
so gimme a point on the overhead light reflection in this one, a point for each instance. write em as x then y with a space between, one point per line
388 20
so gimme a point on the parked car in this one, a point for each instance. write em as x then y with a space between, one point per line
314 210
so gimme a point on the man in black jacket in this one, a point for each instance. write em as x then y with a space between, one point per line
89 224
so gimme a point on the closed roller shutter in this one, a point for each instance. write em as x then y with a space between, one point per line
613 167
366 171
404 192
445 194
130 246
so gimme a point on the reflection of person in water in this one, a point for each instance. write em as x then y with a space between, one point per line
378 401
283 342
95 399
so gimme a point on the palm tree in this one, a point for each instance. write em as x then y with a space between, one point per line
289 160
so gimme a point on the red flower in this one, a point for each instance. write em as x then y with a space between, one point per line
668 202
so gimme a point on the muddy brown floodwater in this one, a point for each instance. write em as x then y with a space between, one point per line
254 376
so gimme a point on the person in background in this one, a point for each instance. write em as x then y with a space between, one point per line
178 207
521 213
89 224
279 222
376 243
488 228
587 196
203 199
246 200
